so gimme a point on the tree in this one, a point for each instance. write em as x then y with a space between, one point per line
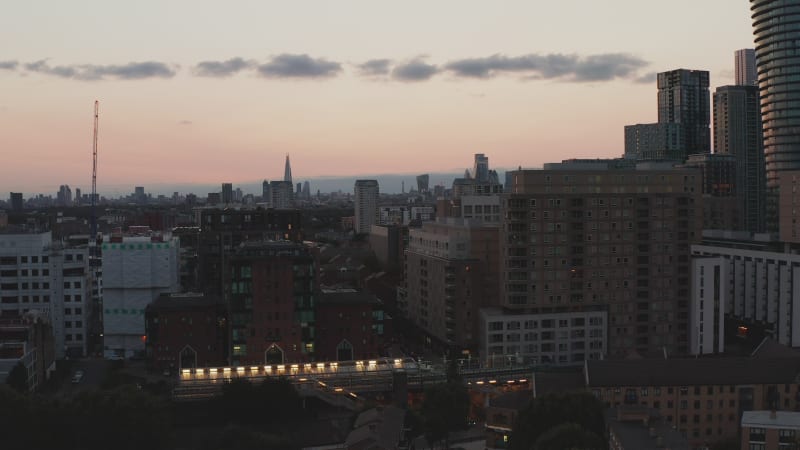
550 411
18 378
444 409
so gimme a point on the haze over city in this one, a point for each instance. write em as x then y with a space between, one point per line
198 93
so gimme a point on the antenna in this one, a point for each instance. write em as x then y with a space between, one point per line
93 234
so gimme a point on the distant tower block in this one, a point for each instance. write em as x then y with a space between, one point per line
422 182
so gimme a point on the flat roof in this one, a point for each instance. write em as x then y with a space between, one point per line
692 371
764 419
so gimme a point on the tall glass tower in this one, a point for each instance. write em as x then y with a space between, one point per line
776 26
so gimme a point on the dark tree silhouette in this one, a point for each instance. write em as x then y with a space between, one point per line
18 378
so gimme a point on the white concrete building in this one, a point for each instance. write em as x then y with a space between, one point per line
759 286
39 274
707 308
567 338
136 270
482 207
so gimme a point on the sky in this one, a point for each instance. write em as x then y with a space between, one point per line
205 92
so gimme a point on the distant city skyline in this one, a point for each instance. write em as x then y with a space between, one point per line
210 94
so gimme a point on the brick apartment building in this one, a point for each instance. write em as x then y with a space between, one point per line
185 331
604 234
350 325
704 398
270 290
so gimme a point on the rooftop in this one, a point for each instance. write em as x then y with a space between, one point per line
771 419
693 371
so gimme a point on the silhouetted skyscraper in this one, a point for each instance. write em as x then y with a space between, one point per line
480 170
227 193
683 98
745 65
366 205
778 64
265 197
287 171
737 132
16 201
422 182
683 120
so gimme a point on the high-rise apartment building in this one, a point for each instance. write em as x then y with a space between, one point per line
778 66
745 67
366 205
15 198
737 132
683 120
683 98
452 270
588 236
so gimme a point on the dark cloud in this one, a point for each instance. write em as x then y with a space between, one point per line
415 70
374 67
601 67
221 69
130 71
649 77
8 65
299 66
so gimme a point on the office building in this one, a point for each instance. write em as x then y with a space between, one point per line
745 67
778 66
451 271
64 196
737 132
306 190
265 195
585 236
366 205
227 193
480 170
281 194
709 294
423 182
15 198
136 270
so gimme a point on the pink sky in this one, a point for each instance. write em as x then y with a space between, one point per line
563 83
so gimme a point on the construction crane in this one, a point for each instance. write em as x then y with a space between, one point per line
93 228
